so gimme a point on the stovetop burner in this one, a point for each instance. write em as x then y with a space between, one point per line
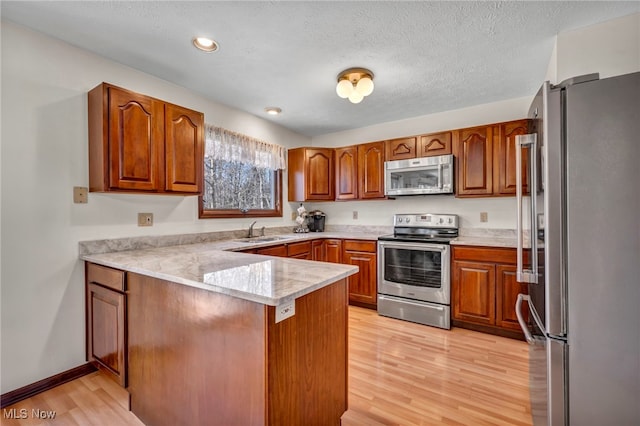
427 228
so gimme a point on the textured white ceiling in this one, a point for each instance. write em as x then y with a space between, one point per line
426 56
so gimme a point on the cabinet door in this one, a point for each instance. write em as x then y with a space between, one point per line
400 149
106 329
319 174
474 292
371 170
434 144
136 141
347 173
184 149
280 251
363 286
333 251
474 155
507 293
317 250
504 161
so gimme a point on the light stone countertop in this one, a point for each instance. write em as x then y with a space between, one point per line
213 265
262 279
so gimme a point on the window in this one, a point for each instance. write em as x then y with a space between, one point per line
242 176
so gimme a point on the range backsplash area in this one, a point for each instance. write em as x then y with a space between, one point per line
501 211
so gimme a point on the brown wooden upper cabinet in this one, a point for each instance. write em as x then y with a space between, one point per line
360 171
400 149
434 144
140 144
347 173
473 149
310 174
485 159
504 158
371 170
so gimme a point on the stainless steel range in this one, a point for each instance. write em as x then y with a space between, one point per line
414 269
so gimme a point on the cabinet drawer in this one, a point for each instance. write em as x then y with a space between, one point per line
359 245
295 249
107 277
485 254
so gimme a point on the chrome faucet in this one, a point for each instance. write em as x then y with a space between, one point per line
251 229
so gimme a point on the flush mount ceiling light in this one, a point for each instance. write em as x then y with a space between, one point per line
273 110
205 44
355 84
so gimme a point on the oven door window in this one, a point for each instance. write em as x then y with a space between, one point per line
420 268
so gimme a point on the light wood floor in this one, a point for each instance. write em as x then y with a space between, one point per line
400 373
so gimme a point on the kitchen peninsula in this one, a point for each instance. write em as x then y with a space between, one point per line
217 337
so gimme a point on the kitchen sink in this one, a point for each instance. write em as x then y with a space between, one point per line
261 239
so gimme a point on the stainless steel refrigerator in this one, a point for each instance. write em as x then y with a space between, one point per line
579 251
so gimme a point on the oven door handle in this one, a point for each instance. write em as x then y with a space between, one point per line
421 246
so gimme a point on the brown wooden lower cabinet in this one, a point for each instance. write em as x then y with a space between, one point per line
208 358
106 321
484 290
363 286
329 250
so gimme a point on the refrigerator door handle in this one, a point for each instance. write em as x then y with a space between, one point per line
521 321
527 275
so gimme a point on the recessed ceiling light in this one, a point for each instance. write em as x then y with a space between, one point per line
273 110
205 44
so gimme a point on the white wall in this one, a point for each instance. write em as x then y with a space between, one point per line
501 211
44 154
610 48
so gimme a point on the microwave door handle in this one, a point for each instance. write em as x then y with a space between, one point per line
522 275
440 168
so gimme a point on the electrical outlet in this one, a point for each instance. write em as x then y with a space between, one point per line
145 219
294 215
484 217
355 214
286 310
80 195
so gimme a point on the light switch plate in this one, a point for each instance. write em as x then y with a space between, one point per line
286 310
80 195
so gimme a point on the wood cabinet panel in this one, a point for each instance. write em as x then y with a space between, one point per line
311 174
184 149
474 292
300 250
347 173
279 250
400 149
135 140
141 144
106 330
474 153
333 251
505 157
371 170
435 144
363 286
507 293
106 277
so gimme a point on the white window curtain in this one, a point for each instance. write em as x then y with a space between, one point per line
225 145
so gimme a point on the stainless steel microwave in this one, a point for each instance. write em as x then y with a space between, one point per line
427 175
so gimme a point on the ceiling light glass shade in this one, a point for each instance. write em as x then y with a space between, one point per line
365 86
355 97
355 84
344 88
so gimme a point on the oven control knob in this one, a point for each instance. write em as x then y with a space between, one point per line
450 220
406 219
441 220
